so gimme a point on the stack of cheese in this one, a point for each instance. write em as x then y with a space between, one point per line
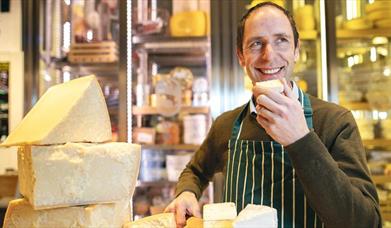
223 215
163 220
69 174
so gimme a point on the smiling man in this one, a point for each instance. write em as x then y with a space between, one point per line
290 151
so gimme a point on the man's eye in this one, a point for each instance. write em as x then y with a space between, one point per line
282 40
256 44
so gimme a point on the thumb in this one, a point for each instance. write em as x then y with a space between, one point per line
287 89
195 211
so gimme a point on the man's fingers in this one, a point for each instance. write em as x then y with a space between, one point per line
195 210
180 216
170 208
288 90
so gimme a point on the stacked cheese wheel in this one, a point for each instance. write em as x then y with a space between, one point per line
69 173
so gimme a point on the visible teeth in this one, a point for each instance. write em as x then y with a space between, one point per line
271 71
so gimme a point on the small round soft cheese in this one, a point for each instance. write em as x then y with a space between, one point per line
275 85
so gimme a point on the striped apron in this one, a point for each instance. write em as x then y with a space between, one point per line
260 172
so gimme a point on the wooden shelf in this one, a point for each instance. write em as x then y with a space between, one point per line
148 110
364 33
365 106
357 105
377 143
171 147
166 44
381 179
154 183
308 34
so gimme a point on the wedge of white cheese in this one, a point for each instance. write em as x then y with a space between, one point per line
275 85
163 220
219 215
21 214
77 173
219 211
74 111
256 216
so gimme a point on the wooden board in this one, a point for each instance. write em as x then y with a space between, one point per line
8 185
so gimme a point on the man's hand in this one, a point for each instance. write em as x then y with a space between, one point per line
282 116
185 204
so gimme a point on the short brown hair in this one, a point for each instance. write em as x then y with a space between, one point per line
240 32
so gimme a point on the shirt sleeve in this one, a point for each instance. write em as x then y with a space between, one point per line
336 179
200 170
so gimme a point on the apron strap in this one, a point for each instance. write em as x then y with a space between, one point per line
305 103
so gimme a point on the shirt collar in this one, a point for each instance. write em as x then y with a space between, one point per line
295 91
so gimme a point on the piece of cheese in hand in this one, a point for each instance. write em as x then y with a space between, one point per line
254 216
21 214
74 111
275 85
219 211
77 173
163 220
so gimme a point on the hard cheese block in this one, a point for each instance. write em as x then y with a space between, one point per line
219 215
163 220
77 173
219 211
21 214
256 216
74 111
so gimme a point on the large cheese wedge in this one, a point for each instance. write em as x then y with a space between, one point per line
77 173
21 214
219 211
74 111
275 85
163 220
256 216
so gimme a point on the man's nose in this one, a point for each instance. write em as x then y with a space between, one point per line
267 52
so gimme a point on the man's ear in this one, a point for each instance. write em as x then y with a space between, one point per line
297 51
240 56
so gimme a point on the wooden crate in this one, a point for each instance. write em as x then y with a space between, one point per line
8 185
98 52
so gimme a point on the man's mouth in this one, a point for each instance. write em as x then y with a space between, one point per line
270 70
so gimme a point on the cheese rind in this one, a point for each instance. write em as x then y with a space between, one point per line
74 111
163 220
219 211
21 214
254 216
275 85
77 173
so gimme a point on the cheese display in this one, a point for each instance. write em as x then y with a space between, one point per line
256 216
275 85
77 173
74 111
219 211
163 220
21 214
69 174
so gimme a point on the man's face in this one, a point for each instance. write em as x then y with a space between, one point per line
268 45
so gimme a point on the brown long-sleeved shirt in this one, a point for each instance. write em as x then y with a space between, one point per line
329 161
